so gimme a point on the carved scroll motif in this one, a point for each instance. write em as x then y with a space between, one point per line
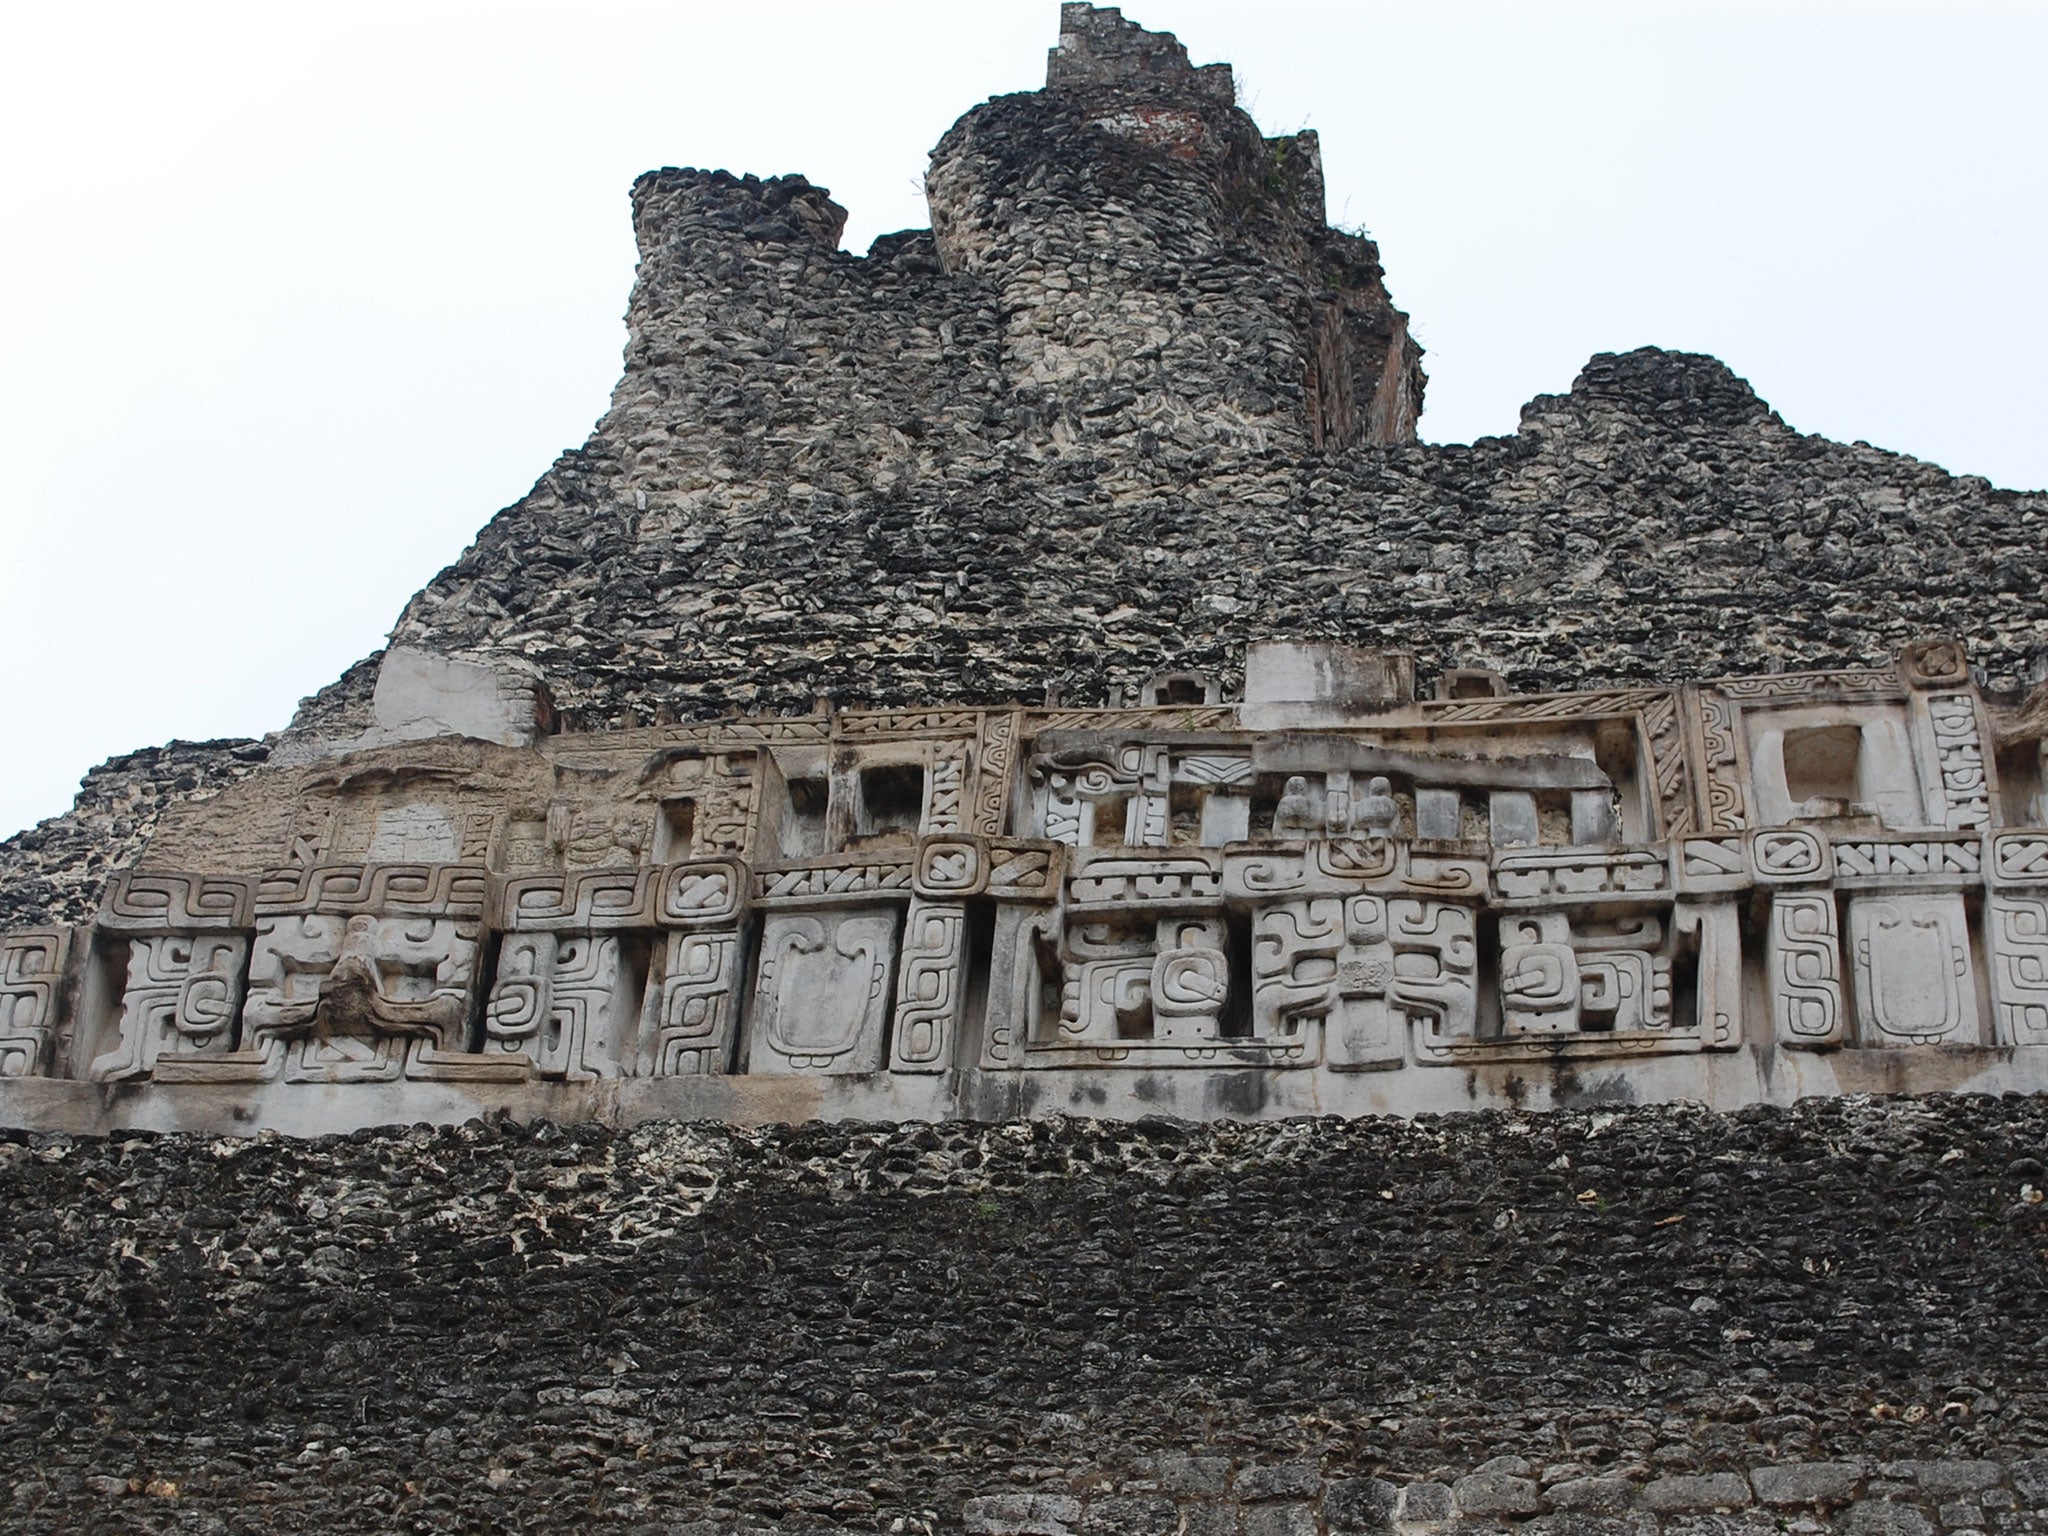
995 762
931 995
1912 962
151 902
946 790
556 1005
337 998
822 1000
1964 788
1436 963
1951 861
1539 974
182 997
455 890
688 1027
2018 929
1725 806
31 977
1804 965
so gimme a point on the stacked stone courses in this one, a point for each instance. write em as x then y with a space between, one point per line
1646 1322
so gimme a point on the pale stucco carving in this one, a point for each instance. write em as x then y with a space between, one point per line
1170 906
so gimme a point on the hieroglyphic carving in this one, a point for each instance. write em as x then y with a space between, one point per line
1912 970
688 1025
1803 962
1533 876
1023 871
995 762
149 901
1950 861
1965 790
828 883
822 998
951 867
946 788
702 893
31 978
2018 859
2017 925
182 996
1936 663
1711 864
557 1005
931 987
1724 806
1789 856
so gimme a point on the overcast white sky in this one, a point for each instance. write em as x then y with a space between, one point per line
294 297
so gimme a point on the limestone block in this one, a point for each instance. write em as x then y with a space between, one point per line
1293 682
1439 815
422 693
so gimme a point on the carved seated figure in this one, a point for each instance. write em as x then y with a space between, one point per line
1378 813
1297 814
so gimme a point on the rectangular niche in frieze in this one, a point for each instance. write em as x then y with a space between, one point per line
823 988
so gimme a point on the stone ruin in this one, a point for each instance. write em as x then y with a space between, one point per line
1033 669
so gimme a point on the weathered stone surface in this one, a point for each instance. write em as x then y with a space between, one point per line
1057 1317
1812 1482
1679 1495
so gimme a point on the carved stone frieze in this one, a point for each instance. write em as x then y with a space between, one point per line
31 976
949 895
1911 959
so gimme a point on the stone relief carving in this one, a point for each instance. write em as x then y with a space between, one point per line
31 972
182 999
1457 881
821 1002
1912 970
1803 967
